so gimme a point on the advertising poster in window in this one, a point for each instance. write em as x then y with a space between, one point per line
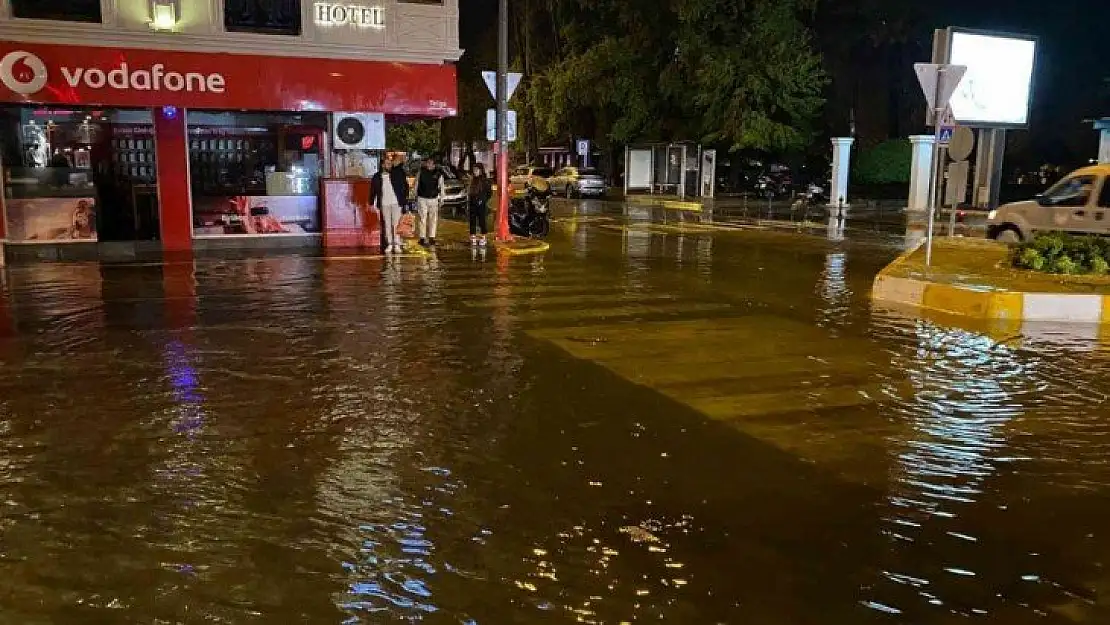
255 214
52 219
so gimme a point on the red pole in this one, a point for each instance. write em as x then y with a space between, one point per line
503 193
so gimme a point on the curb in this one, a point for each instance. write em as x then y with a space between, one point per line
1000 305
677 205
528 247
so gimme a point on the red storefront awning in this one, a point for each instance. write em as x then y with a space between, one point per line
95 76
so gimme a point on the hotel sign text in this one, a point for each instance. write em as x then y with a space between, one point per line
330 13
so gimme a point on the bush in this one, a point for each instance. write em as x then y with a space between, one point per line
887 163
1056 252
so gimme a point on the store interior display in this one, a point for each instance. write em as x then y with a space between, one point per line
93 169
255 173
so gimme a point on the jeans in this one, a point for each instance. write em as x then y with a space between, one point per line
391 216
478 210
428 209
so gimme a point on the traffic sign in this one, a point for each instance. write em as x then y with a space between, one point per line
491 125
583 147
961 144
490 78
938 82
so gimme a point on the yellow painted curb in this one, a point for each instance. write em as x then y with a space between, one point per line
678 205
987 304
530 247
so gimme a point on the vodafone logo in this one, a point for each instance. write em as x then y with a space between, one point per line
26 74
23 72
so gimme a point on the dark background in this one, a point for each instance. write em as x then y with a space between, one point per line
869 47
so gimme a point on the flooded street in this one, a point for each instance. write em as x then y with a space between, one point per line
661 422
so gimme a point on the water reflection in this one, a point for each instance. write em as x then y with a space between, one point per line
294 439
833 289
966 391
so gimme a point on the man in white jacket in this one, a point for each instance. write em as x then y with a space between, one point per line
390 190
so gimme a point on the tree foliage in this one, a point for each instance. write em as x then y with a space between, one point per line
420 137
739 73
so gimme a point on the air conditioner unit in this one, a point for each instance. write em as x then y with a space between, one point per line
349 131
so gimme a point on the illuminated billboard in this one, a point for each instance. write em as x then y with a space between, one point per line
998 86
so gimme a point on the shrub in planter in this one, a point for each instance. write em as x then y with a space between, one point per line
1100 266
1060 253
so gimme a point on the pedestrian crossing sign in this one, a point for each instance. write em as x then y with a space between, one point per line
946 133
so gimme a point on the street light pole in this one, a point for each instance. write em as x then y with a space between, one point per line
503 120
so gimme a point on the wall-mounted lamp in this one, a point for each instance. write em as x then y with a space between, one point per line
163 14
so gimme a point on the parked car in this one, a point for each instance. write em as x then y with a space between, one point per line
521 176
454 189
1079 203
578 181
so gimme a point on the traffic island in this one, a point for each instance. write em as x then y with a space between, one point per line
975 278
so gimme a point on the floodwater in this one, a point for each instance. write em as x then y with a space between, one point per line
654 422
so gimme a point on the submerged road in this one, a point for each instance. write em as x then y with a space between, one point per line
661 419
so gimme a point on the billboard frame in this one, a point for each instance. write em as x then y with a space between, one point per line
942 53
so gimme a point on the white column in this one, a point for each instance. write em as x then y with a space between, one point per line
842 158
1104 146
920 171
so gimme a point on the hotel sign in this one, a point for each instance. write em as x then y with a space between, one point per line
334 14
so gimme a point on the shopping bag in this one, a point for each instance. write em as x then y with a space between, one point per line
406 226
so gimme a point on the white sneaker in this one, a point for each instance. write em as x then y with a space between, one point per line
482 242
473 240
397 249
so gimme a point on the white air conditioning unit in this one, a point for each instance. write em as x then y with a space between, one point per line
358 131
349 131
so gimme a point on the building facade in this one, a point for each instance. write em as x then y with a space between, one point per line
185 124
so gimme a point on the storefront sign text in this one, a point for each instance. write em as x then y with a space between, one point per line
328 13
26 74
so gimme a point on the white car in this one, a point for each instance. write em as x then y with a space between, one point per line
1079 204
578 181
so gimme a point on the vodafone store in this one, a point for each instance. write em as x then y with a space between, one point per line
175 151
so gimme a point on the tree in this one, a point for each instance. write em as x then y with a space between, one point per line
753 78
420 137
741 74
605 81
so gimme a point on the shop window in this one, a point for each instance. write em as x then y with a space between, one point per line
255 173
62 165
268 17
66 10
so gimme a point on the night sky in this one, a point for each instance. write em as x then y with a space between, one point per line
1072 80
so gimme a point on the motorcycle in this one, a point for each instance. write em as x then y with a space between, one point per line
530 215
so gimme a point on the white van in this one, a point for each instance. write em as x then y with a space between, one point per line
1079 204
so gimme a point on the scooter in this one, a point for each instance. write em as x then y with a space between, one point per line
530 215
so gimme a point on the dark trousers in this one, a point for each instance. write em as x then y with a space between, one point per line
478 211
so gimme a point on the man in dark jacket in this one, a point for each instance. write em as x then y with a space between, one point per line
429 193
390 200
